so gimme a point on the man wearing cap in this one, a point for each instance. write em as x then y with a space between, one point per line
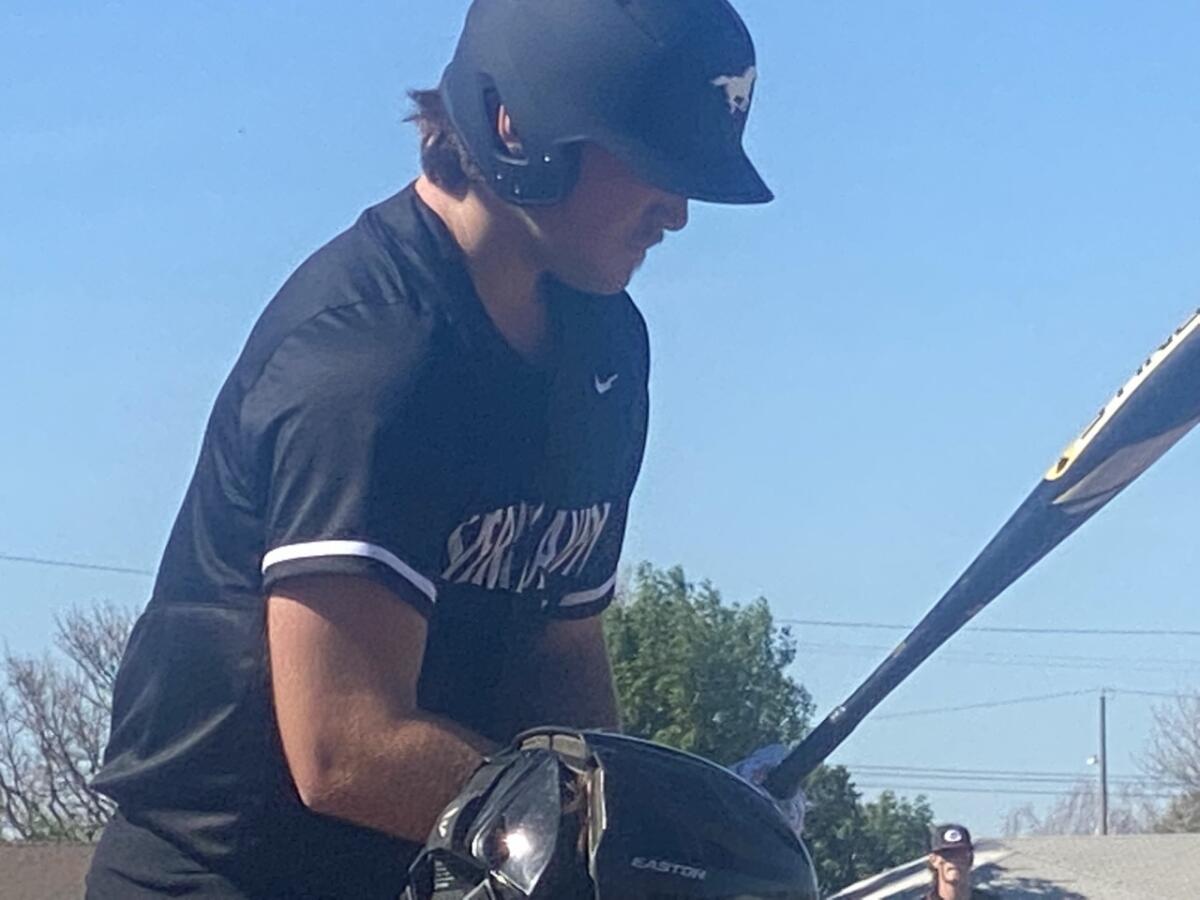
951 855
411 496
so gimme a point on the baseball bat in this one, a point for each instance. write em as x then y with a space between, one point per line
1154 409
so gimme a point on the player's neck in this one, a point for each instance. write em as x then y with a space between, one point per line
500 261
961 891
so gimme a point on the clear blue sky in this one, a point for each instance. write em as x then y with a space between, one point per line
987 214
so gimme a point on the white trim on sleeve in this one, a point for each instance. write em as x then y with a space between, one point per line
318 549
582 598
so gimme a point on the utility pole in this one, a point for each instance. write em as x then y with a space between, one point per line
1103 767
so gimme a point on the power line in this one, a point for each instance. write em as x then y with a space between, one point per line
815 623
1016 792
996 629
71 564
1037 698
1004 776
1014 782
1193 696
1058 661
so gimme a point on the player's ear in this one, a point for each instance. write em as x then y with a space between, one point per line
506 133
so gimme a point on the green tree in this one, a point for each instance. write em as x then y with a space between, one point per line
896 830
712 678
850 840
834 829
700 675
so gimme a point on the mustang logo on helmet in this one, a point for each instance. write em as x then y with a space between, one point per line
738 89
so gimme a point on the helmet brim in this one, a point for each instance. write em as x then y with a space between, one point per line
730 179
737 183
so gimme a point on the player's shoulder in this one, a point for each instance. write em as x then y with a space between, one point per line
386 260
366 302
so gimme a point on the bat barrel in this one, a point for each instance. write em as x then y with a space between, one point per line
1147 416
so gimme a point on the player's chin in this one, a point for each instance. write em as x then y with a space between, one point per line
623 269
611 278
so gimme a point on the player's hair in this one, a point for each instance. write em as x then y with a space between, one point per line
444 158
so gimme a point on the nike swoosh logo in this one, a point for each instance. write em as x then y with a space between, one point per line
604 385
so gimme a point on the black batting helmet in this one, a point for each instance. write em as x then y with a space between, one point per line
663 85
596 816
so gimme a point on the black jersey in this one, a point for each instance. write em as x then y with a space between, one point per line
378 425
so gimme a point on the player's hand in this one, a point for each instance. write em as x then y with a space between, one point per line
754 769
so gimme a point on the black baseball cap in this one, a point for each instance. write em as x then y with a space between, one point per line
949 836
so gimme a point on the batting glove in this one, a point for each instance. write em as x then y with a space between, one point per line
754 769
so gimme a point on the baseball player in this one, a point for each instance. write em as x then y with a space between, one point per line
951 856
411 495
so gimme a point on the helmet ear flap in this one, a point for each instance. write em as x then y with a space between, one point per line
543 174
544 178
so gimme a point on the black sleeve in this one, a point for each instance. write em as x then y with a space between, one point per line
334 442
597 564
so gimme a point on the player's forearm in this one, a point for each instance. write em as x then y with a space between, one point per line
395 775
564 686
593 707
588 700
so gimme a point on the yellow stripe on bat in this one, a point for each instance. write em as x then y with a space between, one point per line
1077 446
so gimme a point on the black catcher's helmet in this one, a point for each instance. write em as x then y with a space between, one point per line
595 816
664 85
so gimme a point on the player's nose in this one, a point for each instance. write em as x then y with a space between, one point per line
675 213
